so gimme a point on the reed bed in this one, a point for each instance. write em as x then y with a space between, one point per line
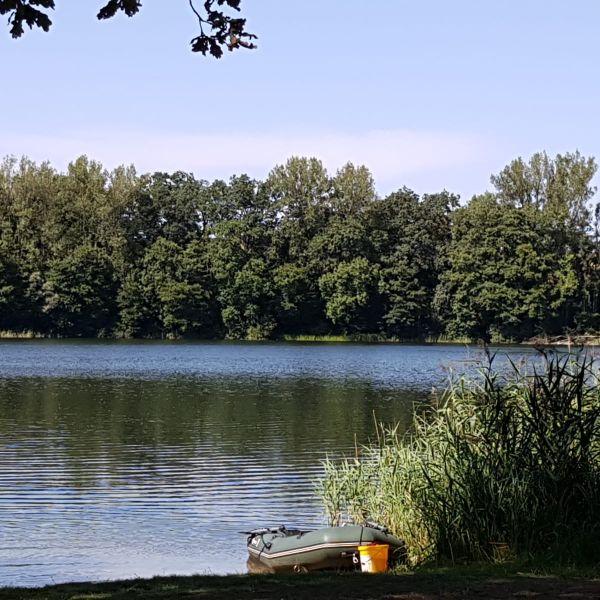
356 337
501 467
20 335
375 338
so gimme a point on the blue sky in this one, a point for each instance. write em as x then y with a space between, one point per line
430 94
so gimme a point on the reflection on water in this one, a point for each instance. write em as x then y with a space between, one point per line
121 459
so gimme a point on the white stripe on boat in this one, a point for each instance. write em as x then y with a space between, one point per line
264 553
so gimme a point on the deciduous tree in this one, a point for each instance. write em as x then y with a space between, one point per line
218 29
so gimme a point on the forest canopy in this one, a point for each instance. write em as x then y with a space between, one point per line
95 253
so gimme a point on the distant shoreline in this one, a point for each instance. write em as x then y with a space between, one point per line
584 340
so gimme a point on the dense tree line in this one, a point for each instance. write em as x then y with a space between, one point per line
93 253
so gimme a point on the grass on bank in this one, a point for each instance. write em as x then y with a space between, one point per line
357 338
374 338
503 469
361 338
20 335
319 586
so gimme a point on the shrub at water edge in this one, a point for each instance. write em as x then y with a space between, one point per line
505 466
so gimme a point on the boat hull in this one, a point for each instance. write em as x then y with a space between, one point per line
328 548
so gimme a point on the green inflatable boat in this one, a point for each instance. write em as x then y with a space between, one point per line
281 549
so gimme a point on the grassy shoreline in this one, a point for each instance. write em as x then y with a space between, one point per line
367 338
364 338
497 583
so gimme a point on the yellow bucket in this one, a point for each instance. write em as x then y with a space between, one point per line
373 558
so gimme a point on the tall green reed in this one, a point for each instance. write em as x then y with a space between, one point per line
504 465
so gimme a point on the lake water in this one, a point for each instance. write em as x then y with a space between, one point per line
121 459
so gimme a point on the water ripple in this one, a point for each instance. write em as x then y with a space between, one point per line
121 459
